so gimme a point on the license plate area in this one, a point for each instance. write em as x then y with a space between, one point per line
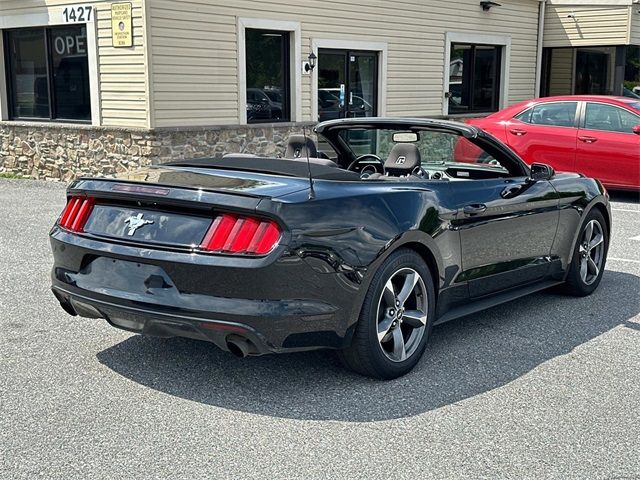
148 226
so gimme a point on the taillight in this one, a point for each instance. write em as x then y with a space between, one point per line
235 234
76 213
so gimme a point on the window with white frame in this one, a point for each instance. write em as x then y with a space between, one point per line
477 70
268 82
474 78
47 73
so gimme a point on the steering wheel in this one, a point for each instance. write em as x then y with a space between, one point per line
368 156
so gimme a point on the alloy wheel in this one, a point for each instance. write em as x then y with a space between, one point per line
402 314
591 252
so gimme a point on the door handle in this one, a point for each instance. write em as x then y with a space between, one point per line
474 208
518 132
588 139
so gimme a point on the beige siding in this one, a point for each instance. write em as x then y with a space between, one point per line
592 25
122 76
200 36
561 80
635 28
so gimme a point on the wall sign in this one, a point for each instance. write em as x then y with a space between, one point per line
121 25
78 14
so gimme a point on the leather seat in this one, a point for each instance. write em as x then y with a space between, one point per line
402 160
299 147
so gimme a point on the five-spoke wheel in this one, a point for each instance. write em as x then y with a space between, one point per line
402 316
591 252
395 320
589 256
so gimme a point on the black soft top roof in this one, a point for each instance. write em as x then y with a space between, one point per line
274 166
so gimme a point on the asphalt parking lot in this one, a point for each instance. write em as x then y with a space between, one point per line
544 387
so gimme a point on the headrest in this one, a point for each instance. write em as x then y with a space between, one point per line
297 147
403 159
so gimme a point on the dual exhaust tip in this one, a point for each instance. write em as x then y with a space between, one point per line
240 346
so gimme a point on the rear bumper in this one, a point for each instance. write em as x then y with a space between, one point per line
276 305
162 324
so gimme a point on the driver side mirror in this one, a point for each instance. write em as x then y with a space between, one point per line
636 129
541 171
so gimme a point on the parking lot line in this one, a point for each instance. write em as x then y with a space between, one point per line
623 260
625 210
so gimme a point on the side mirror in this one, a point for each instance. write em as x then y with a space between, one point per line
636 129
541 171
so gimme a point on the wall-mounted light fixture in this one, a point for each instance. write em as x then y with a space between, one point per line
311 62
486 5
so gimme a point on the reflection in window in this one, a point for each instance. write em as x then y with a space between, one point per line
632 71
48 74
474 81
561 114
268 92
609 118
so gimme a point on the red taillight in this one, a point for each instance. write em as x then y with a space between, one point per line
76 213
233 234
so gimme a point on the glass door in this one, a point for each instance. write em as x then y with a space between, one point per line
347 84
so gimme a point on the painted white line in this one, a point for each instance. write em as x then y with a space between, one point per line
625 210
623 260
637 239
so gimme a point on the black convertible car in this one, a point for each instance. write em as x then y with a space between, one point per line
360 242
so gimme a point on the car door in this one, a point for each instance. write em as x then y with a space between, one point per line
607 147
507 227
546 133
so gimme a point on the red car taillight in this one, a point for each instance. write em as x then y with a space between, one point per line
76 213
234 234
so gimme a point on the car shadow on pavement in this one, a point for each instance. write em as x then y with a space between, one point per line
464 358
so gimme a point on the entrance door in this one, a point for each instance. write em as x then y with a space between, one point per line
347 84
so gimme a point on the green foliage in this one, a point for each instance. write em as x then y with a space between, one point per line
12 176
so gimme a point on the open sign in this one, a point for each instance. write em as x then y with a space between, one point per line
70 44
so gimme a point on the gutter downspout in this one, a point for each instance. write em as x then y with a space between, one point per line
541 16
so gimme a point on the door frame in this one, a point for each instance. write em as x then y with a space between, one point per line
380 48
348 65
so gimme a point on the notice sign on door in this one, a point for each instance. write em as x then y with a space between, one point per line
121 25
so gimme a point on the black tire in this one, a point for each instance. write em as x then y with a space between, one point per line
366 355
575 283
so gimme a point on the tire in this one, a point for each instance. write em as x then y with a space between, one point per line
593 257
402 318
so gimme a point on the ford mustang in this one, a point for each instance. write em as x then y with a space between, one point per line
361 239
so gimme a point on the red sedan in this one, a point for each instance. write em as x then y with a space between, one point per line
594 135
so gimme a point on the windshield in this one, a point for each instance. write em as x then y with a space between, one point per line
434 147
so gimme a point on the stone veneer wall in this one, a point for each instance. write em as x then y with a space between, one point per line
64 152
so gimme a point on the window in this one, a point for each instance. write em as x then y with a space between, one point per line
552 114
609 118
268 79
48 73
474 80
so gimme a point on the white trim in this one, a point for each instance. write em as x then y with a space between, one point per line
53 17
593 3
4 101
148 65
294 63
542 10
481 39
381 48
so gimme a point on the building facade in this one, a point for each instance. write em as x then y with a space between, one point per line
104 86
591 47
